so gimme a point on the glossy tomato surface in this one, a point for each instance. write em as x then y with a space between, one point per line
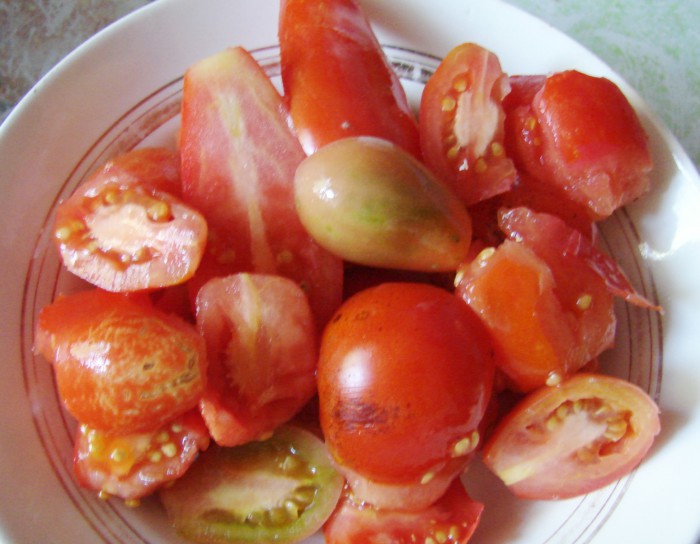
573 438
262 349
404 377
125 228
121 366
337 79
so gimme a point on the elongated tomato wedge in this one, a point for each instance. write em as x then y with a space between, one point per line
573 438
126 230
262 350
239 156
461 123
338 81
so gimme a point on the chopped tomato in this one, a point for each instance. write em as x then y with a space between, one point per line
401 361
337 79
453 518
262 349
132 466
580 135
461 124
123 230
239 156
121 366
573 438
280 490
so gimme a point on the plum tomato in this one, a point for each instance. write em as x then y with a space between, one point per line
121 365
280 490
573 438
132 466
239 155
262 349
580 134
125 230
337 78
404 378
462 123
453 518
369 202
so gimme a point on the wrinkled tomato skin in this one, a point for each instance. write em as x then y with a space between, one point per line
462 124
135 465
573 438
262 348
121 366
239 156
337 78
454 515
404 377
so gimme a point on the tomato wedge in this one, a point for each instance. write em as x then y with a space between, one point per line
239 156
461 124
281 490
262 349
121 366
337 78
124 230
573 438
132 466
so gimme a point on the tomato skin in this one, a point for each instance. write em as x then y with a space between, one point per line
461 124
135 465
400 361
454 516
330 56
573 438
125 229
121 366
262 348
239 155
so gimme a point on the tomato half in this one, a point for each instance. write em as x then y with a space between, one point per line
337 79
461 123
404 377
135 465
239 156
281 490
453 518
123 230
262 350
573 438
121 366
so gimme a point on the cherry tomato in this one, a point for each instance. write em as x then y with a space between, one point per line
239 155
281 490
461 123
404 377
121 366
573 438
135 465
581 135
369 202
453 518
123 230
338 81
262 349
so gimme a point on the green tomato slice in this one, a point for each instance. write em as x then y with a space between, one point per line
279 490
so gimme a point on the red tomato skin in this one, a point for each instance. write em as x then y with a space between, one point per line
404 375
461 124
454 515
331 57
121 366
95 233
239 156
262 347
542 459
147 469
